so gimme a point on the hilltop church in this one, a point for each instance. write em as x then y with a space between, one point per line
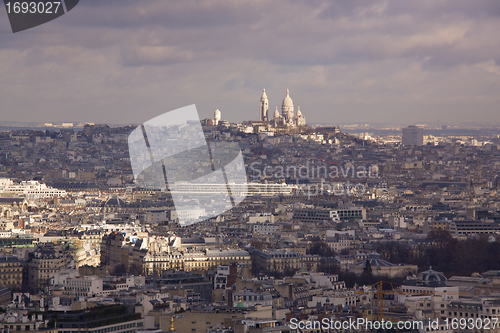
288 116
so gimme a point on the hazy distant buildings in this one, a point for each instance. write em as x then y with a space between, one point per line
413 136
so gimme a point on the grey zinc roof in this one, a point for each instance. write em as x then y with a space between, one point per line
375 263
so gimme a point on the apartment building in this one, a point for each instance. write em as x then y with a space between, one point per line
86 286
11 272
45 262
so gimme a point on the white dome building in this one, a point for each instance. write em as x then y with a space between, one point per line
217 117
288 117
276 113
300 119
287 110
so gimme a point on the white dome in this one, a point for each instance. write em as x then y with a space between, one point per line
287 102
299 114
276 114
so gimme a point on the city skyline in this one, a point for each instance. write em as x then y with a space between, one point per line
123 62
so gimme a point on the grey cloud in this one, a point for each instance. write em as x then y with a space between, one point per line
363 59
283 32
439 8
173 14
154 55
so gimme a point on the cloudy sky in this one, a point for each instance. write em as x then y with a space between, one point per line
121 61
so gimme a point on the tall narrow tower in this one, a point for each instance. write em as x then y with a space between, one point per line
264 106
217 117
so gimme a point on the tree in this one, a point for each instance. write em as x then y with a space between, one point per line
441 237
321 248
367 270
344 252
328 266
135 269
366 277
120 269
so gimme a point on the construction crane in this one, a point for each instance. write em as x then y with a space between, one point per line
380 292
